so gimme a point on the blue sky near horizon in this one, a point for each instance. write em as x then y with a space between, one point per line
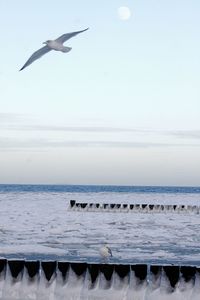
121 108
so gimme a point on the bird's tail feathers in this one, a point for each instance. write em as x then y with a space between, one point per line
66 49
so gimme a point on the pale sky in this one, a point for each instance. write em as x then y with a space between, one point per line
123 107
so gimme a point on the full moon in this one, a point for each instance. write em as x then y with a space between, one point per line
124 13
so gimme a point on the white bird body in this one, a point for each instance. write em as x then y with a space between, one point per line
105 251
50 45
54 45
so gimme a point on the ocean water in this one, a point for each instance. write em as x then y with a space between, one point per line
35 223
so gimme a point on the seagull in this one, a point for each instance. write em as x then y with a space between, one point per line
105 251
56 45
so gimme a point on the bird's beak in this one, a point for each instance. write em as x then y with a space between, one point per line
44 43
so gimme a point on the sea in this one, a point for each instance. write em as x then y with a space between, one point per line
35 223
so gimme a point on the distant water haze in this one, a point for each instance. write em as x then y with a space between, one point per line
129 166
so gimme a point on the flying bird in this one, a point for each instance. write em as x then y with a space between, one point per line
56 45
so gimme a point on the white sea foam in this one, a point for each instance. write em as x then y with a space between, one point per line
39 224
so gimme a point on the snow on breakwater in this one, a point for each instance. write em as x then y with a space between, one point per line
119 207
53 280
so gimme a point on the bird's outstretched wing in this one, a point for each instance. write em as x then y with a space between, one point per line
37 54
63 38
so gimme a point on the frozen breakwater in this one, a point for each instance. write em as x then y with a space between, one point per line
53 280
119 207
